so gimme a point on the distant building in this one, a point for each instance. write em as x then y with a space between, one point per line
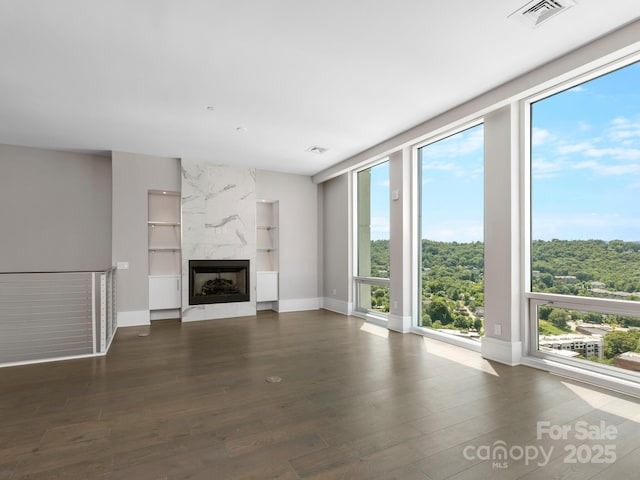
566 278
628 361
593 329
607 293
598 285
585 345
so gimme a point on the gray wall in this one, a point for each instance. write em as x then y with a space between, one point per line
298 231
133 177
56 210
335 241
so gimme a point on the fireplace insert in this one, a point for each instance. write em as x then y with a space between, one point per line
218 281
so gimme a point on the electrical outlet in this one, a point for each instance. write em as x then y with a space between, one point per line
123 265
333 292
497 329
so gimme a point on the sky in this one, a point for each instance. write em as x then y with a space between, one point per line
586 160
585 170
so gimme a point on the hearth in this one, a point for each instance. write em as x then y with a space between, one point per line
218 281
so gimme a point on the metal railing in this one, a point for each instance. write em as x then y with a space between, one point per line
48 316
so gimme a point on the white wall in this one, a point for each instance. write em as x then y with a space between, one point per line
133 176
336 237
502 237
297 198
55 210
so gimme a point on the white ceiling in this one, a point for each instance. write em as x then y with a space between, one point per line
138 76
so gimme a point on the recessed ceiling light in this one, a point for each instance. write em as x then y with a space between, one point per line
210 108
241 129
316 150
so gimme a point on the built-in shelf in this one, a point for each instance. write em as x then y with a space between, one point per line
267 251
163 224
165 262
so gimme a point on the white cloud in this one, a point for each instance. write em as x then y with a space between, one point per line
379 227
620 121
543 169
578 89
458 145
600 169
604 226
452 167
459 231
623 129
383 183
614 153
573 148
540 136
584 126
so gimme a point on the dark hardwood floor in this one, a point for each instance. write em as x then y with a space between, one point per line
355 402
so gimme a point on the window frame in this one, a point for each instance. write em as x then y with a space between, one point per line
356 279
532 300
435 333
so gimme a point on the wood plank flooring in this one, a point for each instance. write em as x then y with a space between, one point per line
190 401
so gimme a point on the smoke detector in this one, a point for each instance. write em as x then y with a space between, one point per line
537 12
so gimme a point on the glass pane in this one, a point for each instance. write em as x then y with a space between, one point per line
601 338
373 221
452 233
585 189
373 298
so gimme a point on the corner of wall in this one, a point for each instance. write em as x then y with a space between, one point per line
509 353
134 318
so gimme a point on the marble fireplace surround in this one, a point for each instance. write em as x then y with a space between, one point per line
218 223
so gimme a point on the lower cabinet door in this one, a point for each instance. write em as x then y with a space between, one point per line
267 287
164 292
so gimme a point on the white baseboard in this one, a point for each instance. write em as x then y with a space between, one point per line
196 313
336 305
399 323
584 375
165 314
298 305
134 318
442 336
509 353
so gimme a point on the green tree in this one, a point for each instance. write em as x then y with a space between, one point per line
543 312
439 311
619 342
559 318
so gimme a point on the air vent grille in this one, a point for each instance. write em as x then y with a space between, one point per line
537 12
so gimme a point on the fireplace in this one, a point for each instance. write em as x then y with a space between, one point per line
218 281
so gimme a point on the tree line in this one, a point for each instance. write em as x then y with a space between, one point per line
453 277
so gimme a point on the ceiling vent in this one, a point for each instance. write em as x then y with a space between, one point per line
539 11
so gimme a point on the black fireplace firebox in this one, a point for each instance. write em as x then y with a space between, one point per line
218 281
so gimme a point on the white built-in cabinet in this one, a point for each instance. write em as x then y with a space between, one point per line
165 263
267 251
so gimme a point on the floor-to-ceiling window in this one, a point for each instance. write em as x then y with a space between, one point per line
451 233
585 223
372 217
